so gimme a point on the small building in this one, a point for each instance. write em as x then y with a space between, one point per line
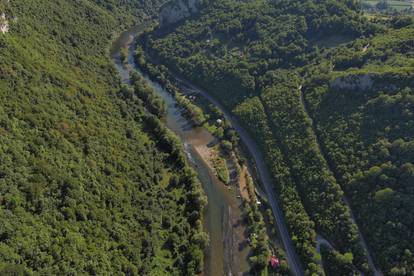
274 261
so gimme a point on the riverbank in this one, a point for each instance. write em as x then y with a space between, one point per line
233 141
223 216
237 250
255 156
211 155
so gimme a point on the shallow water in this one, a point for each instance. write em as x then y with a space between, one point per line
227 251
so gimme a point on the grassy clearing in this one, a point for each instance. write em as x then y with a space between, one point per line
220 166
398 5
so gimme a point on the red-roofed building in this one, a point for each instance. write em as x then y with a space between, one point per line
274 261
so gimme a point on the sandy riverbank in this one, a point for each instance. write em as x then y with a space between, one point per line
244 174
206 154
236 235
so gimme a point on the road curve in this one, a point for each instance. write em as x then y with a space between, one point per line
292 258
371 263
322 241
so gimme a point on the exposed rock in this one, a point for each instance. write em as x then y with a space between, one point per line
4 24
177 10
361 82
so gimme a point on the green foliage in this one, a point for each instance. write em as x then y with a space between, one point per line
367 135
124 55
253 56
220 166
243 53
161 75
128 11
227 146
321 195
258 237
84 185
336 263
336 138
301 228
243 39
148 97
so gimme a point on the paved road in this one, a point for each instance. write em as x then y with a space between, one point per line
371 263
322 241
264 175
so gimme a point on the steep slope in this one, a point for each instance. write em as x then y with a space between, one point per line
255 56
131 10
87 176
364 117
173 12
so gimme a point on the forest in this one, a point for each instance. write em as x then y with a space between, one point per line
367 133
91 182
326 92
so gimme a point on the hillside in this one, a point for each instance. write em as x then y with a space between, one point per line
86 174
292 72
366 129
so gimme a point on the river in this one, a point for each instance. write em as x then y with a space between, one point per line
227 253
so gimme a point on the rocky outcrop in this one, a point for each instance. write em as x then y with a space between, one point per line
360 82
4 24
177 10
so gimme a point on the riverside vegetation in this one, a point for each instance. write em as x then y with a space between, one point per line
327 93
90 181
200 112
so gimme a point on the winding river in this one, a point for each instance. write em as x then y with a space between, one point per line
228 251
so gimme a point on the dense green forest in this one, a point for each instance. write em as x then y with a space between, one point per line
131 10
90 181
327 93
364 114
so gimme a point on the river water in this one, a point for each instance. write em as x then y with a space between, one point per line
228 251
